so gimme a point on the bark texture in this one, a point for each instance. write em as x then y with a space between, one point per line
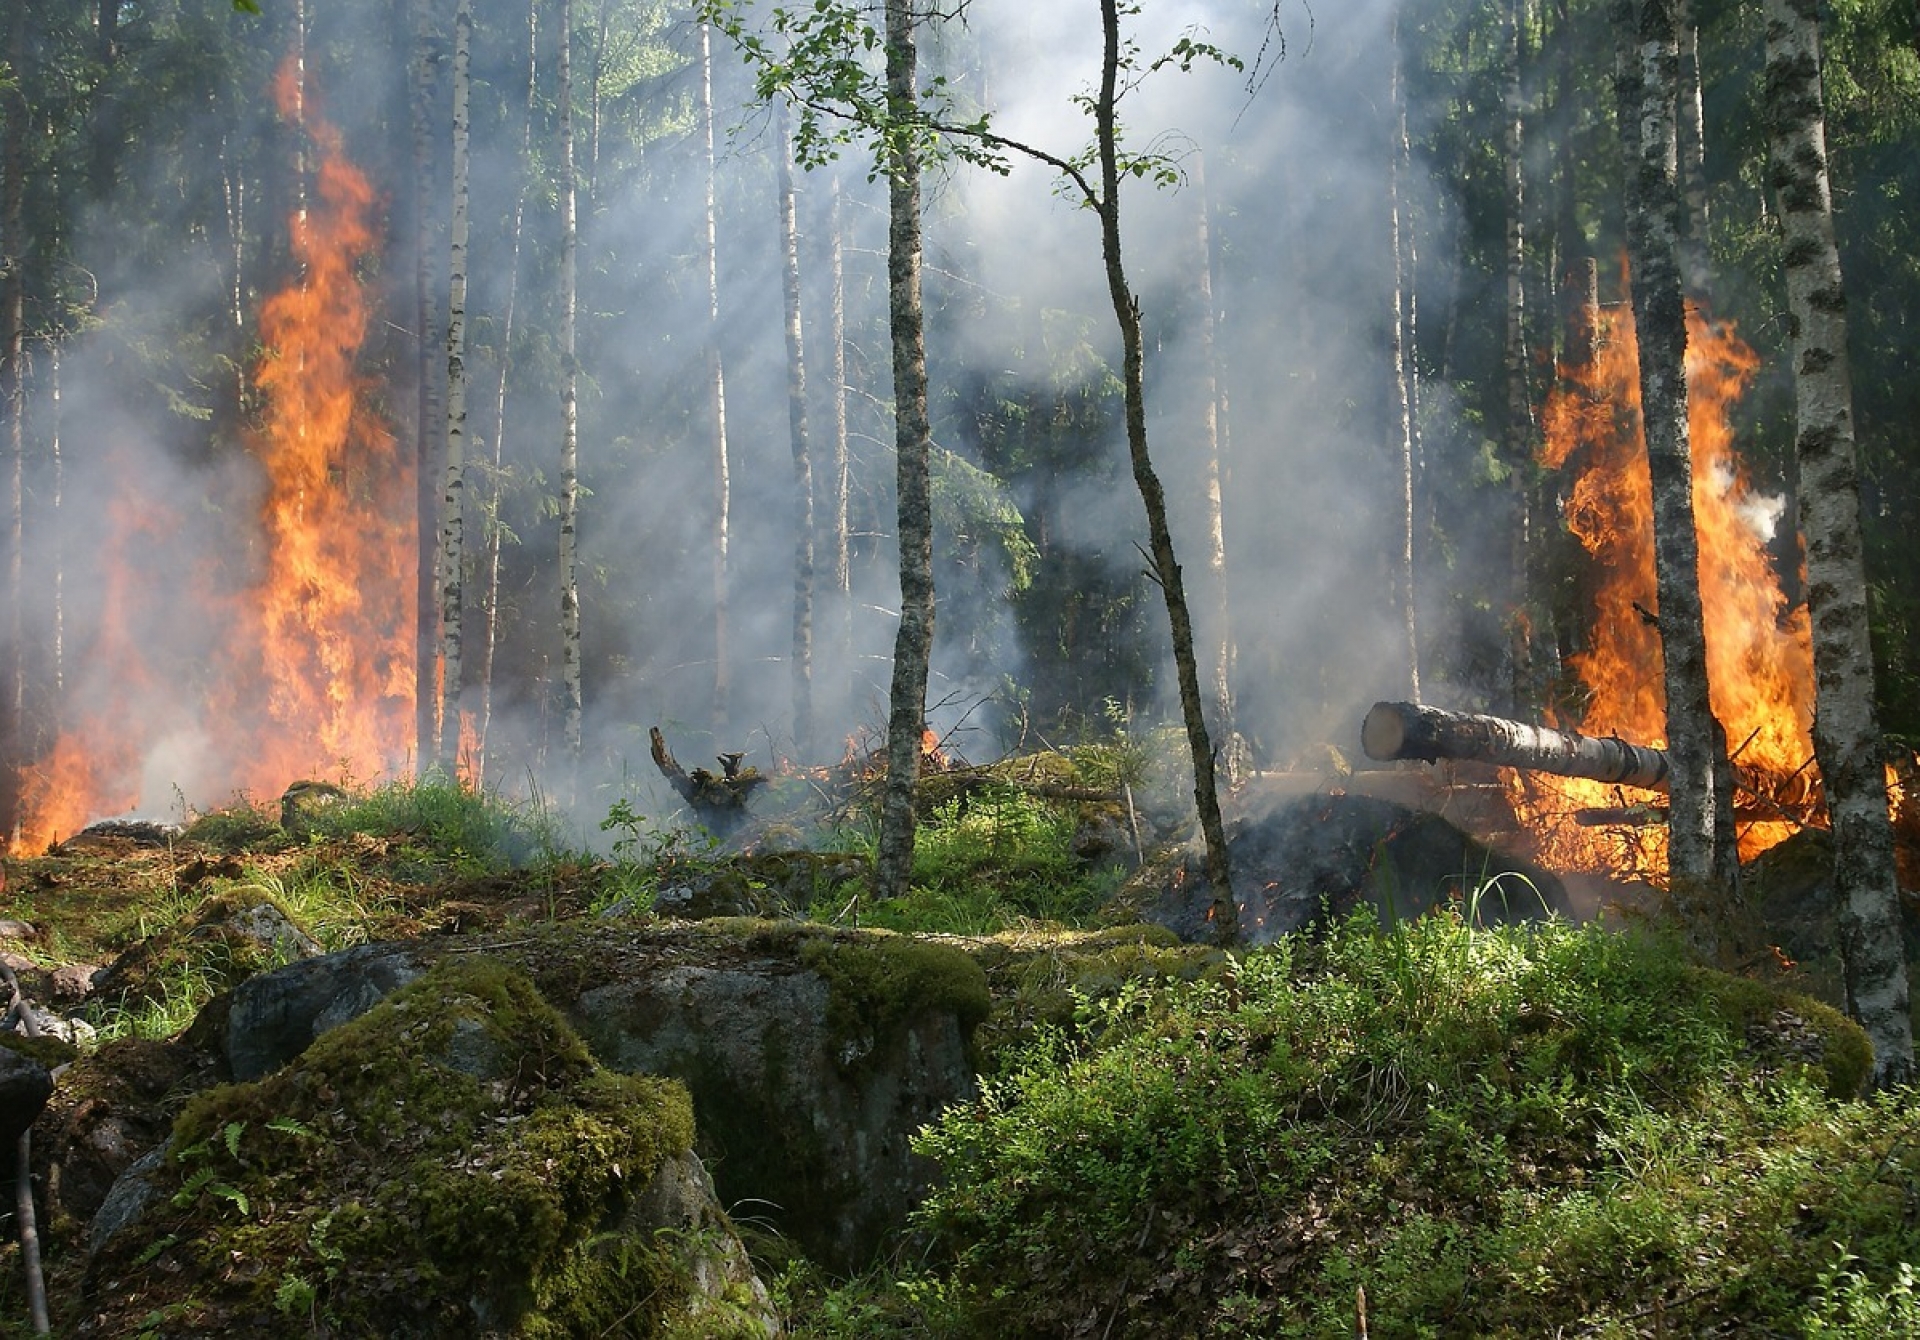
716 407
1846 729
1416 731
913 643
1649 79
570 676
453 498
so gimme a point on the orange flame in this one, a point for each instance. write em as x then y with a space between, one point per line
1759 660
308 667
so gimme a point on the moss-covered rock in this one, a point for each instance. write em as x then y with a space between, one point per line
430 1169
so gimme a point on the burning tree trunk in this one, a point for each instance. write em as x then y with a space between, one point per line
1846 731
1649 77
1416 731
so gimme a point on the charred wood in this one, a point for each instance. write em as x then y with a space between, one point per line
719 800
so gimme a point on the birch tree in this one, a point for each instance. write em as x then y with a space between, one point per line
1846 728
800 667
716 400
453 497
427 501
1649 77
496 531
572 697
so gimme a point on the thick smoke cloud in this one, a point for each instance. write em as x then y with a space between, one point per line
1295 153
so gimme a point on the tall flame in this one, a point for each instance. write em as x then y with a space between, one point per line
1759 660
307 661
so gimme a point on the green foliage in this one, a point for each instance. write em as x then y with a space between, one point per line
1510 1131
447 823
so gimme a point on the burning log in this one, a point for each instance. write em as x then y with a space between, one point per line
1416 731
719 800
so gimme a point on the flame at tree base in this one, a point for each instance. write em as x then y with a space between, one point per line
1759 657
286 652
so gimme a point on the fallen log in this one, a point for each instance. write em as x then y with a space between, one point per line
1416 731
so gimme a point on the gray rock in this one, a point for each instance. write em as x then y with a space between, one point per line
25 1086
275 1016
126 1201
805 1101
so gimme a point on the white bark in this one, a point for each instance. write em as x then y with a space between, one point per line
1693 855
570 670
453 496
1846 729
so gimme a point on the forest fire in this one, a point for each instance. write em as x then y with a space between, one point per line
305 659
1759 659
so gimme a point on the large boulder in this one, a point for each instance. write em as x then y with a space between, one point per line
452 1163
812 1055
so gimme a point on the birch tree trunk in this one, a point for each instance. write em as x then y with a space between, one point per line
1402 374
13 354
1696 263
1220 645
842 543
800 664
1649 79
1518 436
1223 912
716 407
453 497
913 642
1846 728
570 673
496 531
426 683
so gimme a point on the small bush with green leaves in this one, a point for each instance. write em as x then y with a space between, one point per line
1503 1132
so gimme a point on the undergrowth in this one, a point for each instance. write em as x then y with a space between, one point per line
1511 1132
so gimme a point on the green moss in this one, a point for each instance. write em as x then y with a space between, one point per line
878 984
1796 1026
436 1167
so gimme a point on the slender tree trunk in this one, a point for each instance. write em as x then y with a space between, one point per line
1220 645
570 669
1653 208
496 530
837 351
1846 728
1403 375
716 408
427 493
1126 308
913 642
1696 263
800 666
1518 436
13 398
453 499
